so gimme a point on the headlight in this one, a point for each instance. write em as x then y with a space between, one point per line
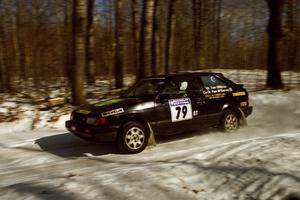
91 120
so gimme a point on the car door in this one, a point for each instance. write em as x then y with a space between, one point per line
180 106
216 94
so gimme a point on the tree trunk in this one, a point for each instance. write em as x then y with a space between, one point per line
197 30
218 34
90 43
292 43
275 40
68 41
169 37
154 40
2 61
135 32
21 43
16 35
146 61
119 57
2 64
79 51
6 51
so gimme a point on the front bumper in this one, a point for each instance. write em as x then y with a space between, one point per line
247 111
90 132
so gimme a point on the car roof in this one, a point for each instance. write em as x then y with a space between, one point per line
183 74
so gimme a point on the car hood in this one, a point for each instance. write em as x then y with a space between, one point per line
109 104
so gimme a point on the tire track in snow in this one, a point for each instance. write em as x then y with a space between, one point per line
225 171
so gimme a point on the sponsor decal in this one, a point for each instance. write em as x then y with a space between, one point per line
112 112
85 112
221 86
236 94
215 96
217 89
108 102
195 113
181 109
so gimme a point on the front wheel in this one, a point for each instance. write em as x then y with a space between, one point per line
230 122
133 137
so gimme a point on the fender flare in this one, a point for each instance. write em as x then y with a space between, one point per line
236 109
134 117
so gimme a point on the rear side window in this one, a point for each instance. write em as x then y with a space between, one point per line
214 87
209 81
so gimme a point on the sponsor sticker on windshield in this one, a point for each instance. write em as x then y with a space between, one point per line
85 112
108 102
112 112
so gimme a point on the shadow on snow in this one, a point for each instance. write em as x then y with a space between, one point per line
69 145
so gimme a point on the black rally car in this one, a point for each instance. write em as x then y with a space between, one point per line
166 105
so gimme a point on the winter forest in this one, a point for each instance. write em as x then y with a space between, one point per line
80 41
60 57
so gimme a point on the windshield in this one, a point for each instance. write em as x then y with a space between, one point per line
147 88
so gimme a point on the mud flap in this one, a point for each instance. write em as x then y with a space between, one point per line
243 120
151 141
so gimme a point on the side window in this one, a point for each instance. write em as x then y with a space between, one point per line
146 88
182 85
210 81
214 87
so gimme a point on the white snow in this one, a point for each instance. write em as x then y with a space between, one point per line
260 161
3 110
60 124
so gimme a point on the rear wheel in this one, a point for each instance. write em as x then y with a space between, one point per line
230 122
133 137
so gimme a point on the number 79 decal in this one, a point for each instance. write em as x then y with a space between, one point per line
181 109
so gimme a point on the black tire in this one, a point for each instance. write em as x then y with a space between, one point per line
230 121
133 137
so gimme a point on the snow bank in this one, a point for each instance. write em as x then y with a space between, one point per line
275 111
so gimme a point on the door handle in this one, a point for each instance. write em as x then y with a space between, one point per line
200 102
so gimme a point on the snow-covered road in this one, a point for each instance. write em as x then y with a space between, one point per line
261 161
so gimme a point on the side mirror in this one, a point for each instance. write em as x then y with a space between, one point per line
162 98
240 85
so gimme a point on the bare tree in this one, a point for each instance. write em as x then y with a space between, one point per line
67 38
119 57
20 41
275 39
154 39
291 33
218 4
135 33
79 51
169 37
146 40
2 57
6 51
90 43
